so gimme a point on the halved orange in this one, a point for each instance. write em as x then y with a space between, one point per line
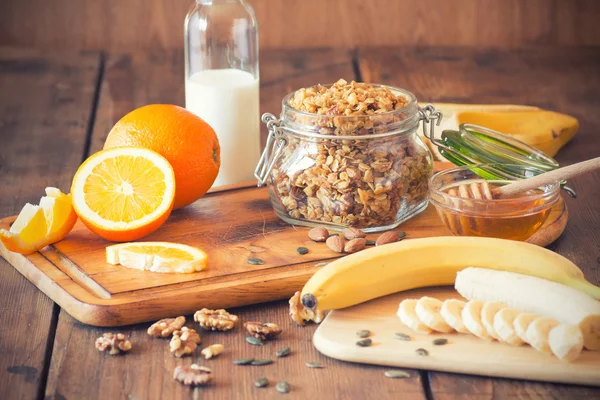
124 193
157 257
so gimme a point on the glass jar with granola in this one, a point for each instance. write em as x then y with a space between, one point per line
347 154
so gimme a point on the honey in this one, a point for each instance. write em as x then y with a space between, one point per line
517 217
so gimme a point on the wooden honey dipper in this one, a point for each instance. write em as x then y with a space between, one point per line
480 189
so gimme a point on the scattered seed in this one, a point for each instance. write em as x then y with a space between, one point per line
334 234
243 361
422 352
261 382
283 352
283 387
302 250
364 343
402 336
314 365
401 235
254 341
364 333
255 261
264 361
440 342
321 264
397 373
370 243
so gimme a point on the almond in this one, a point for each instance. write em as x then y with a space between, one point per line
318 234
353 233
387 237
355 245
336 243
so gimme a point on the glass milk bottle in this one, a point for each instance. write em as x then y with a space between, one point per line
221 81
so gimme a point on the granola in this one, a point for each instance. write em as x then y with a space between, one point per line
364 182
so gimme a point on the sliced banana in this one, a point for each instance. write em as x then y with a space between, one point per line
471 317
407 315
538 331
504 326
488 312
566 341
521 323
451 313
428 312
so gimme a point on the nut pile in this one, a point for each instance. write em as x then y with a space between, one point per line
356 182
352 239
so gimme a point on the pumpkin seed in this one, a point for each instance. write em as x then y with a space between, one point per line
397 373
364 333
401 234
264 361
422 352
402 336
321 264
314 365
283 387
243 361
440 342
254 341
283 352
334 234
255 261
302 250
370 243
364 343
261 382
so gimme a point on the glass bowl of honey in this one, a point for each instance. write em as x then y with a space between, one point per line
515 217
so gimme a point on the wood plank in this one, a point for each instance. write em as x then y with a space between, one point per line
284 24
564 80
44 111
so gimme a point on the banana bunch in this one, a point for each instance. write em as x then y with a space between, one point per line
492 321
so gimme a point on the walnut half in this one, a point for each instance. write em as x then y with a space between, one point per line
193 375
300 314
263 331
165 327
115 343
215 320
184 342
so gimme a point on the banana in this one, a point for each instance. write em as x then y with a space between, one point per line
521 323
407 315
428 312
471 317
538 331
488 312
504 328
451 312
534 295
415 263
566 342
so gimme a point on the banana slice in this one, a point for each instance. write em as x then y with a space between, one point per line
504 326
428 312
566 341
538 331
451 313
407 315
471 317
488 312
521 323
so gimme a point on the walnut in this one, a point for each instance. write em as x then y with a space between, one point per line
215 320
165 327
193 375
184 341
300 314
115 343
212 351
263 331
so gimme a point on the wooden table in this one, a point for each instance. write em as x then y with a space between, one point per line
56 109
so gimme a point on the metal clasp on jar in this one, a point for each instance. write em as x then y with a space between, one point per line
276 142
428 115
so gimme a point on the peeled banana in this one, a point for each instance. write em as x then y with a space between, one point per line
435 261
534 295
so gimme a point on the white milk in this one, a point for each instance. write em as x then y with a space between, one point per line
228 100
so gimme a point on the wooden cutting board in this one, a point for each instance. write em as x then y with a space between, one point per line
230 226
336 338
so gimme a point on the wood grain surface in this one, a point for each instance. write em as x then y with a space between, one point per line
564 80
284 24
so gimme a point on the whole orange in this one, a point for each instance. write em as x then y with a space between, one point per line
184 139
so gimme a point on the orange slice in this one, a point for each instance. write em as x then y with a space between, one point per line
157 257
124 193
39 226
